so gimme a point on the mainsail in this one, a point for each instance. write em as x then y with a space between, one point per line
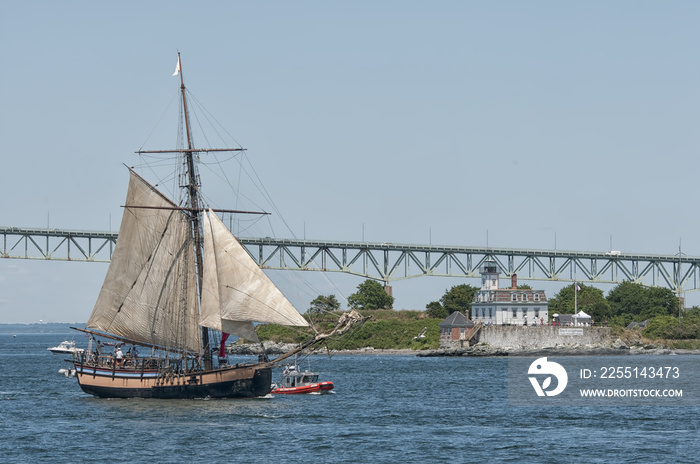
150 292
235 291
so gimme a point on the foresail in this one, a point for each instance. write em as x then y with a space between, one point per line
150 293
235 291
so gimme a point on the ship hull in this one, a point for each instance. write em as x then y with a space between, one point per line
229 382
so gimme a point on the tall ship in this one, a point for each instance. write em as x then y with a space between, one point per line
178 284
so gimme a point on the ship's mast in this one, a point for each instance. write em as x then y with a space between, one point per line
193 203
193 208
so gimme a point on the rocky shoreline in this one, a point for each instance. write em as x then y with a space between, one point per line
618 348
272 348
557 351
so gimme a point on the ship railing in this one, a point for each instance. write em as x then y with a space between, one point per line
109 361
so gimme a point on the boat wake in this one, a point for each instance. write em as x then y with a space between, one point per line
67 372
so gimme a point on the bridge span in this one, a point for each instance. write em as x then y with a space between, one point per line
389 262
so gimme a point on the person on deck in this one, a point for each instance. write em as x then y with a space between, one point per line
133 354
118 355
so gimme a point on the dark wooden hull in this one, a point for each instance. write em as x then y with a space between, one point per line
230 382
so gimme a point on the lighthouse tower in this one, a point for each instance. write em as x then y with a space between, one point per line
489 276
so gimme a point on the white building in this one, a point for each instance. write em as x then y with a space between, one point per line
507 306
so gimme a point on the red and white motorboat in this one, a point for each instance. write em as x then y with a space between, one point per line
295 381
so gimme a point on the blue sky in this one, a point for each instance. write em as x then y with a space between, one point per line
405 121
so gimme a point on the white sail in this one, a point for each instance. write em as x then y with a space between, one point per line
235 291
150 293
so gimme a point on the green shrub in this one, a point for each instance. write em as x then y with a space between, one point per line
386 329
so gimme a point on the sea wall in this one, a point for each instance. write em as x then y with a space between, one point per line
514 338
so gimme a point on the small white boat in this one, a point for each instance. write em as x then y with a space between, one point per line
66 347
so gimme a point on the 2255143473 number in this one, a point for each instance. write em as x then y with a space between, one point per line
650 372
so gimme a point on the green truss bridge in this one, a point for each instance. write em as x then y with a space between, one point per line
389 262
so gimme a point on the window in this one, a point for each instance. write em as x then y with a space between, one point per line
515 313
513 296
524 312
490 313
537 312
524 296
536 297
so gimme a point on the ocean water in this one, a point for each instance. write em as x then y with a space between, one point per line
384 409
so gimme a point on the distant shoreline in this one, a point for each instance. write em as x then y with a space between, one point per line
39 328
473 351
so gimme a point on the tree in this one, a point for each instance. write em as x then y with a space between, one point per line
324 303
371 295
633 302
435 310
626 302
589 300
662 301
458 298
